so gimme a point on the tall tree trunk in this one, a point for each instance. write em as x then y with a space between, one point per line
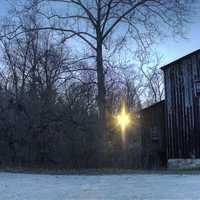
100 74
101 86
101 102
101 83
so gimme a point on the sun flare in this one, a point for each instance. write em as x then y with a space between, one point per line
123 119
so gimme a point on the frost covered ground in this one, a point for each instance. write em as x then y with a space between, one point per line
100 187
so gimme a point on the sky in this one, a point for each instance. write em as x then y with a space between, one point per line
169 49
172 49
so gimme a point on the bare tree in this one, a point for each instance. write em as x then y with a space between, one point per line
153 80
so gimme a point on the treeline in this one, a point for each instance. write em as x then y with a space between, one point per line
48 109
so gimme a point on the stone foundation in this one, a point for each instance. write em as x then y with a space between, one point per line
183 163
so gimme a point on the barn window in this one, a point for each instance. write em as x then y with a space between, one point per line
155 133
197 88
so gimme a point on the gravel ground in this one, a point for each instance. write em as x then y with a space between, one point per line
18 186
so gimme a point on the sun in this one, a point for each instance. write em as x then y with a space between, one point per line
123 119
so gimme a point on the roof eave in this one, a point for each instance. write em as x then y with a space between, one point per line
179 59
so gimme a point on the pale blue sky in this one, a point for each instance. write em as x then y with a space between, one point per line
170 49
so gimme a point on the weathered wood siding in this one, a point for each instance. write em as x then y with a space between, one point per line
153 137
182 104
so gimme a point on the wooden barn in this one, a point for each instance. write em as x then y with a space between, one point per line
173 125
182 107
